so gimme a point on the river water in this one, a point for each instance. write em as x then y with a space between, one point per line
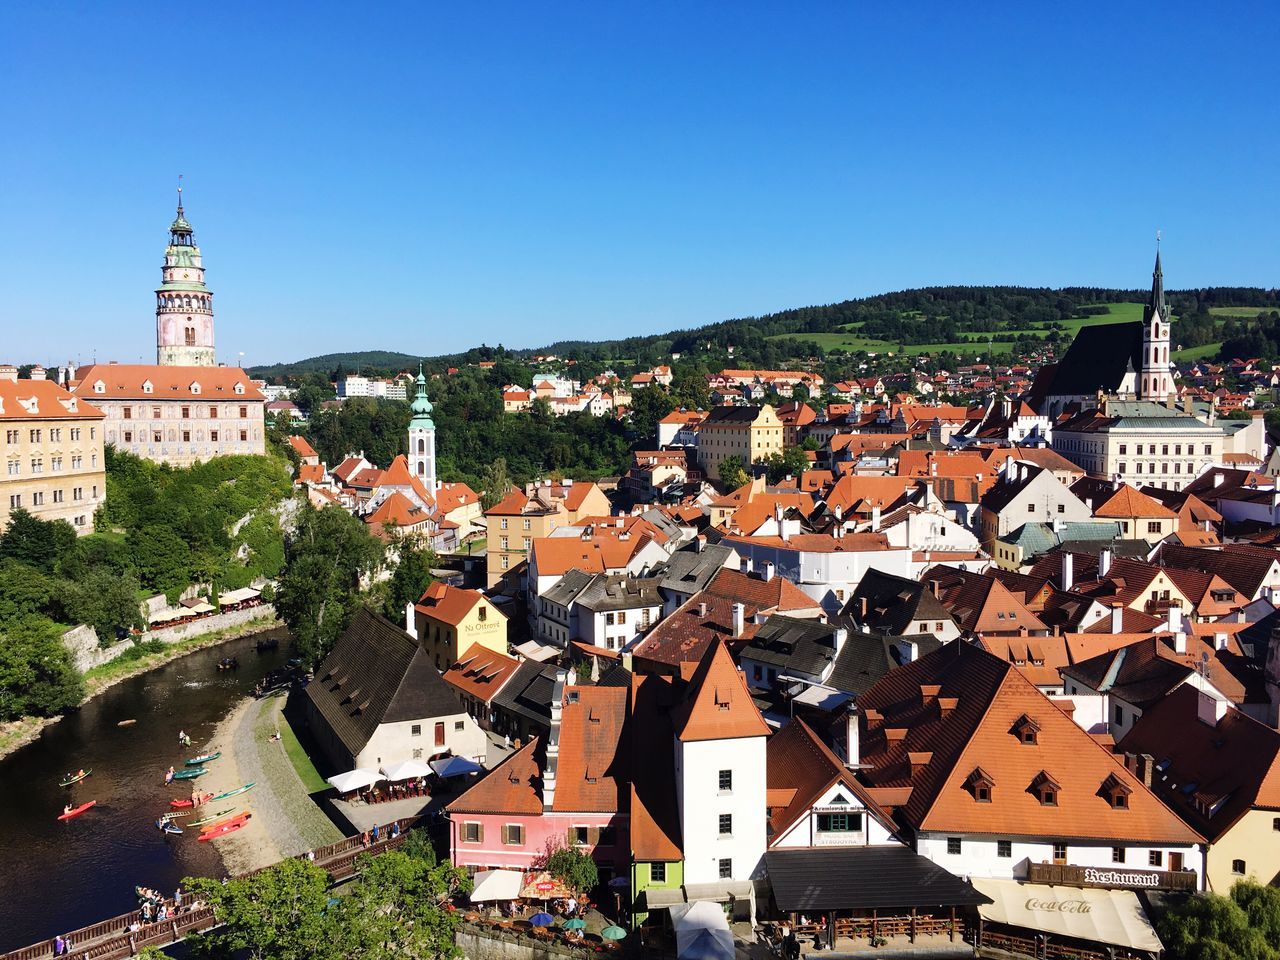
57 876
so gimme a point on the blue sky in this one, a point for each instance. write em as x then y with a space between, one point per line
425 177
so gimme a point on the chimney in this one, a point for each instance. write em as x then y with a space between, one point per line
1104 563
1217 479
1117 619
8 373
1180 643
1210 709
410 621
553 742
767 571
1173 618
702 609
875 519
908 650
744 565
37 372
1008 467
739 618
1068 570
1220 641
851 741
839 637
862 608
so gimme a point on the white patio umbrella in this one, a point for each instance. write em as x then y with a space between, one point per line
405 770
496 885
356 779
454 766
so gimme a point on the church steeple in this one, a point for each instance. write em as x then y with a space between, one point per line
422 436
1156 380
184 305
1156 303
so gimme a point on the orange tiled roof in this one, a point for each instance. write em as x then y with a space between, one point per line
311 473
480 672
42 400
1128 502
449 604
655 818
778 595
397 510
125 381
301 445
592 755
718 705
513 786
451 496
556 556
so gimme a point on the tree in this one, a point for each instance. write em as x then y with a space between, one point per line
1243 925
280 913
162 558
37 676
319 589
789 463
733 473
104 600
35 541
395 909
496 483
648 406
411 578
574 868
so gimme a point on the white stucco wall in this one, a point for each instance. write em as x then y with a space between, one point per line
395 742
698 766
804 832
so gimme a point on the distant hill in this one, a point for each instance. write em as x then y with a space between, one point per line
373 360
924 319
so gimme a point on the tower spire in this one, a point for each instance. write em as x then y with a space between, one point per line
179 196
1157 287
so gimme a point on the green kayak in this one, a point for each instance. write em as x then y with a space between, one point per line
190 774
196 761
230 793
219 814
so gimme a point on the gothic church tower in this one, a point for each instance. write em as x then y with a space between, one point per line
184 305
1156 379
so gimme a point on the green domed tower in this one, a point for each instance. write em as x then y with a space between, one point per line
422 437
184 305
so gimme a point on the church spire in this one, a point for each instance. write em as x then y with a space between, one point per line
1156 305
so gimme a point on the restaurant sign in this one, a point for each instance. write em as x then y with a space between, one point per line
1111 878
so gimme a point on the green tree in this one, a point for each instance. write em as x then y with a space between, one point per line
1243 925
411 578
37 542
24 589
733 473
280 913
320 586
37 676
648 406
789 463
574 868
496 483
163 559
104 600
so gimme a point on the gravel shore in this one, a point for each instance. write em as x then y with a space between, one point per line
286 822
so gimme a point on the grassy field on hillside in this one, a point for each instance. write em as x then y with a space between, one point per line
1204 352
1240 313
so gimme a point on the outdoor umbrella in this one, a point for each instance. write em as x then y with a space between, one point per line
613 933
406 770
542 920
356 779
454 766
577 923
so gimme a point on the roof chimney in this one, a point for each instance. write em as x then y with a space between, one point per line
1104 563
1173 617
553 742
1180 643
37 372
1210 709
767 571
8 373
410 626
851 740
702 609
739 618
1068 570
839 637
1117 619
875 519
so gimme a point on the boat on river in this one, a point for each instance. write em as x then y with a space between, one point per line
196 761
125 723
231 793
181 804
171 828
267 643
231 826
223 821
190 774
228 663
78 810
75 779
210 819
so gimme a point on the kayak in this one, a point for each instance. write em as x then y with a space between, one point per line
172 828
78 810
216 816
229 827
76 779
231 793
180 804
242 815
196 761
190 774
125 723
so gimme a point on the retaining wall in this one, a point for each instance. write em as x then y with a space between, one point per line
82 641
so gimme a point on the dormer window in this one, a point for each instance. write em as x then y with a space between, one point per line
980 784
1026 730
195 387
146 386
1046 789
239 388
1116 792
99 387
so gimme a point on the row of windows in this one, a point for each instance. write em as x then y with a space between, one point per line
157 413
1164 449
158 436
58 496
526 523
1151 467
1004 849
14 466
35 435
513 835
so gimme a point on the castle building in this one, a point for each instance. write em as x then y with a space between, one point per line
422 437
184 305
186 407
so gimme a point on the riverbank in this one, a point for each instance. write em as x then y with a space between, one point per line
16 734
286 822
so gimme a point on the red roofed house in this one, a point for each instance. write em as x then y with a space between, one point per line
447 620
307 455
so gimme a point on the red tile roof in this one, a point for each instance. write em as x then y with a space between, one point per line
718 705
450 604
42 400
126 381
301 445
513 786
480 672
592 764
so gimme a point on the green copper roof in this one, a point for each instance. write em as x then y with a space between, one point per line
421 407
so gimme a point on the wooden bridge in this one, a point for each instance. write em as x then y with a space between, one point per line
125 935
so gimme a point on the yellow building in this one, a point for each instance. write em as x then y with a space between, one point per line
749 433
520 518
449 620
54 466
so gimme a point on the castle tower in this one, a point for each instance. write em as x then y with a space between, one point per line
422 437
1156 380
184 305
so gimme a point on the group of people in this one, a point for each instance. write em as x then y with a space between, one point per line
416 787
154 908
377 834
183 739
61 945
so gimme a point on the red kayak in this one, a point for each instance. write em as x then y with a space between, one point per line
231 826
182 804
78 810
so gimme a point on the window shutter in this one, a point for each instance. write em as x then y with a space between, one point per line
481 833
593 836
571 836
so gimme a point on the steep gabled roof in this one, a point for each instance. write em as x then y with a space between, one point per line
717 704
512 787
655 818
1128 502
592 764
450 604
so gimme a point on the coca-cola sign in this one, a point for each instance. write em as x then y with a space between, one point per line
1057 906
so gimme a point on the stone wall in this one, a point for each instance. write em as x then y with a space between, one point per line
82 641
480 943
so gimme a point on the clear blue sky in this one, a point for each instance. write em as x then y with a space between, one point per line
424 177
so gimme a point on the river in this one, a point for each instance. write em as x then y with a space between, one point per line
57 876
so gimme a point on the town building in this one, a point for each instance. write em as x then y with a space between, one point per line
54 466
422 436
447 621
749 433
184 305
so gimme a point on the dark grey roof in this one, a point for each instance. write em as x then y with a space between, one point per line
528 692
616 676
690 570
893 602
791 643
611 591
735 415
1097 359
866 657
377 674
565 590
880 877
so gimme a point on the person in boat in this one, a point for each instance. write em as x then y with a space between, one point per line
168 777
80 772
195 798
67 809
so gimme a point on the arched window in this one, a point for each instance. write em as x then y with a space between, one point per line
191 336
422 445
